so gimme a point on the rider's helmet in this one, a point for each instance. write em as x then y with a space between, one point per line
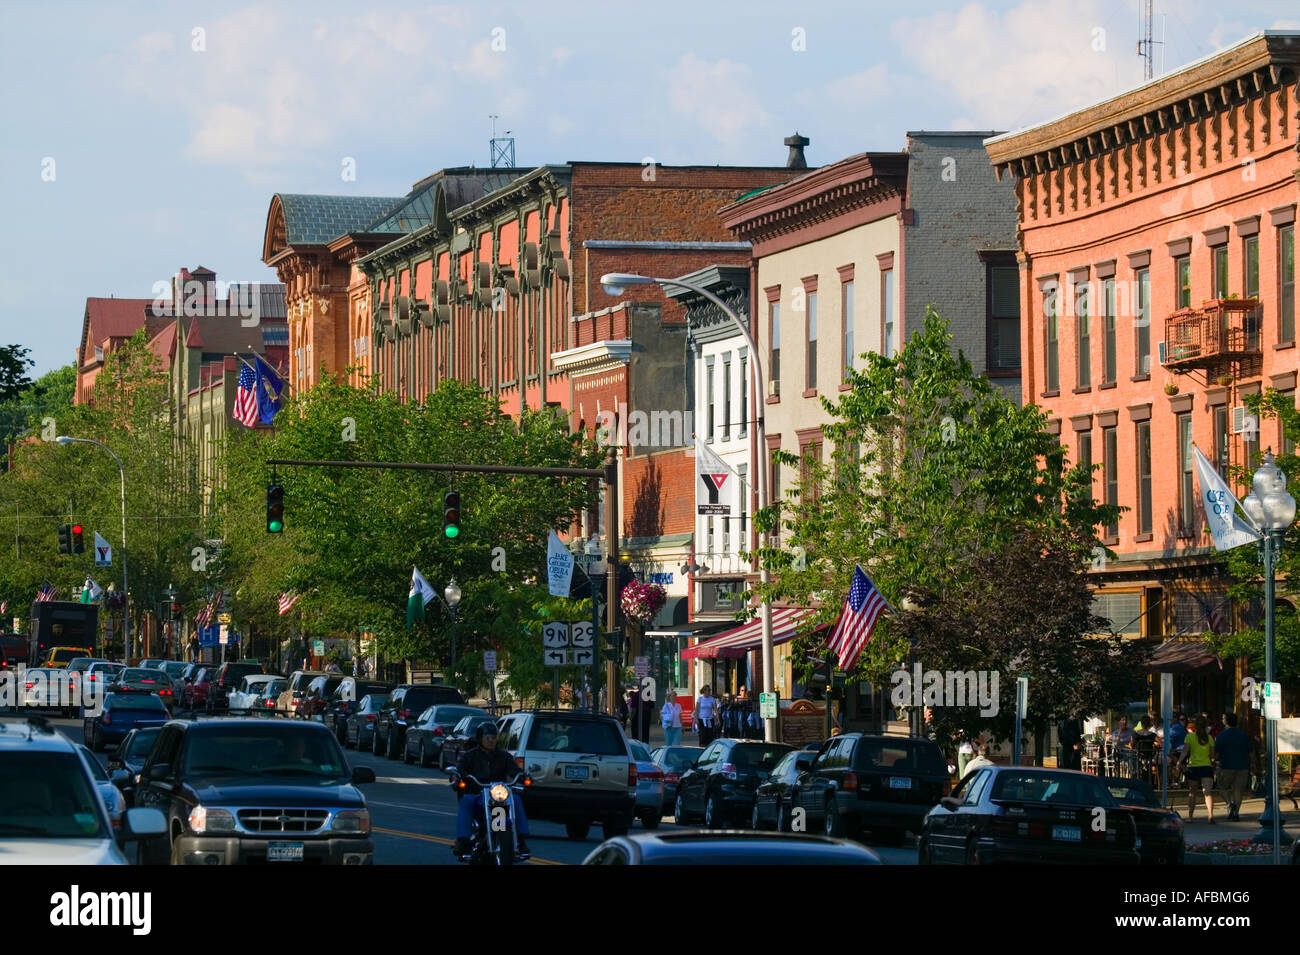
485 729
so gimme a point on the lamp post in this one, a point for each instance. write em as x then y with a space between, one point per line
1272 509
452 596
126 596
614 284
909 606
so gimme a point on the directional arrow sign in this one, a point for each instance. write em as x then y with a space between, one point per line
555 636
584 634
584 658
555 658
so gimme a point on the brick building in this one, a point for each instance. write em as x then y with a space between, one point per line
1156 255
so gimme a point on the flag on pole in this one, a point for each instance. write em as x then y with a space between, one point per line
287 600
47 592
711 475
421 594
4 605
1221 505
861 610
245 410
269 386
90 592
1216 620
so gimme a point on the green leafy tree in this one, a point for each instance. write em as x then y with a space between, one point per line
13 370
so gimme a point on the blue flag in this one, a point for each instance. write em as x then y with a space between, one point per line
269 386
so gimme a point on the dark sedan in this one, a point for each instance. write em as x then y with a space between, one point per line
1028 815
462 737
721 785
350 692
426 735
689 847
772 798
142 680
404 706
673 761
1160 829
119 715
127 761
361 721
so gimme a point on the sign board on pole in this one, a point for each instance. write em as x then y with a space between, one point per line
555 636
583 656
559 566
490 661
223 632
1022 696
318 647
553 657
767 706
223 617
642 667
103 552
584 634
1272 701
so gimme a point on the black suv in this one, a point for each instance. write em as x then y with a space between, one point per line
720 786
885 784
404 706
350 691
253 791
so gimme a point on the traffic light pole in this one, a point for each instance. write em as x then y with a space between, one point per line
612 688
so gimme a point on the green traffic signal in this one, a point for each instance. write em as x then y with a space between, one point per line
451 514
274 509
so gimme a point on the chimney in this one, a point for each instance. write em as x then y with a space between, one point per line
796 143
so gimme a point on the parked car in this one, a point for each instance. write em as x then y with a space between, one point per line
347 695
885 784
317 697
114 801
120 714
251 791
141 680
244 698
198 687
462 737
772 798
1160 830
50 810
404 705
266 703
649 786
720 786
128 759
226 680
361 721
1024 814
688 847
581 766
291 695
424 738
673 761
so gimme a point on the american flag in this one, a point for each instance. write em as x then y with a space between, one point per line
861 610
245 410
4 605
287 600
1216 617
47 592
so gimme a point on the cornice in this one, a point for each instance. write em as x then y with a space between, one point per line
594 357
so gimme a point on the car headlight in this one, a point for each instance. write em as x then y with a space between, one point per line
499 792
351 820
203 819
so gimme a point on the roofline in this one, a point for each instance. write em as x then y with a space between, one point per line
858 167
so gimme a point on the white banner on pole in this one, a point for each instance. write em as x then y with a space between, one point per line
559 566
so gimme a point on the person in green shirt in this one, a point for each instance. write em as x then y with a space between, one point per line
1198 762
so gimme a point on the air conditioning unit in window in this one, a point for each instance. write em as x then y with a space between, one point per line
774 389
1243 422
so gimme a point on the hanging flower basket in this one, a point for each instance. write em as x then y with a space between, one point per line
640 602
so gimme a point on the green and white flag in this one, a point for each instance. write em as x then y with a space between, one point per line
90 592
421 594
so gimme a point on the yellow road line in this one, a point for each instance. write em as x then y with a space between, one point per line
447 842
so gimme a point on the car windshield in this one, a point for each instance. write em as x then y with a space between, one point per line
680 758
96 767
1134 795
900 756
46 795
137 673
1077 790
308 756
142 742
757 755
451 714
639 752
174 669
65 656
372 703
275 688
591 737
137 702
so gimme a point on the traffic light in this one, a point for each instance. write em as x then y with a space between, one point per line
175 608
274 509
65 538
451 514
78 545
613 649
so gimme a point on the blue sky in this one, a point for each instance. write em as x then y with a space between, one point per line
166 154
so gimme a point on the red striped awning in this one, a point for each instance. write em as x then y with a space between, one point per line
749 635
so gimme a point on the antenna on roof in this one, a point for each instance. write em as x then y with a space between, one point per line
503 149
1146 45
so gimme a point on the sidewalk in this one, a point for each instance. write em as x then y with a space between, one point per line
1198 831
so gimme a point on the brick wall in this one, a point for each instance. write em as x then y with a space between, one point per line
658 494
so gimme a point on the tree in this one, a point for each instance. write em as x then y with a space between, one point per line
13 370
943 488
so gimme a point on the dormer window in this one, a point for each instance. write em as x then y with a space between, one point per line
99 353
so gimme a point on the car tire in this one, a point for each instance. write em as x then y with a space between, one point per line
577 829
424 758
755 823
406 755
923 855
347 742
833 824
650 819
679 812
391 749
374 744
972 853
782 824
714 815
442 761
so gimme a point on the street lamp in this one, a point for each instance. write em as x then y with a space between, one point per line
126 613
615 283
910 607
452 596
1273 510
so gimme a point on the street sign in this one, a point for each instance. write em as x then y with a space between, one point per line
224 635
767 706
642 667
223 617
555 658
490 661
584 634
555 636
583 657
103 552
317 647
1272 701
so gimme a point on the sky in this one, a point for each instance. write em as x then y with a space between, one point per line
140 138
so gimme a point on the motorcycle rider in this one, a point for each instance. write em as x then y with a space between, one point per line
489 764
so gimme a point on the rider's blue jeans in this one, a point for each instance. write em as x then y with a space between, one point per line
471 804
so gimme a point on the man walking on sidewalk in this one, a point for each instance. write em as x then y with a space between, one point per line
1232 747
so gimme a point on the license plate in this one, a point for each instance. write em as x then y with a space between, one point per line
900 782
284 852
577 772
1066 833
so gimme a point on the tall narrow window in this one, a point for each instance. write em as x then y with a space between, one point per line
1003 319
742 472
1183 281
846 314
810 304
1142 320
710 399
774 347
1285 442
726 401
1110 474
1108 303
1221 271
888 341
1186 489
1250 257
1084 335
774 494
1220 458
744 395
1144 476
1286 283
1053 356
1085 457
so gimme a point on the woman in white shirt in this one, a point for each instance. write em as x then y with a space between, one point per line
671 717
706 716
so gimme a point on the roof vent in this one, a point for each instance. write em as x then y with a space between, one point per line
796 143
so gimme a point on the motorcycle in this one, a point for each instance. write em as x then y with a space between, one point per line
493 836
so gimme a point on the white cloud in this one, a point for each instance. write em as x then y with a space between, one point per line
483 62
720 97
150 45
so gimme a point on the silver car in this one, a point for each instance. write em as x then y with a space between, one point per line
649 786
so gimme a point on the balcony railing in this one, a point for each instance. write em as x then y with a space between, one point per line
1225 328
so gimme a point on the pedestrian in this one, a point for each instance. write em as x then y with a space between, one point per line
1198 762
1069 732
965 753
625 706
981 759
705 720
671 717
1234 749
641 716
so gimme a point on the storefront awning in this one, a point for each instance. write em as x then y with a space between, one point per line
693 628
1184 656
749 636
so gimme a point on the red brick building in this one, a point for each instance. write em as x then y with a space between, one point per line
1157 264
